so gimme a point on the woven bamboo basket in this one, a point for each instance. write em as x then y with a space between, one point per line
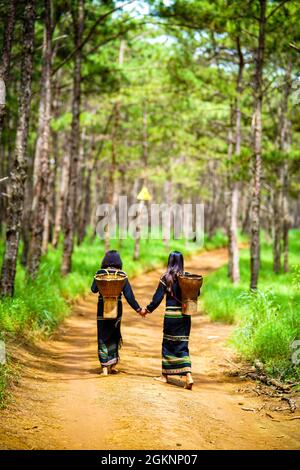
110 286
190 285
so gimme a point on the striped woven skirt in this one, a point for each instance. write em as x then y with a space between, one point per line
175 346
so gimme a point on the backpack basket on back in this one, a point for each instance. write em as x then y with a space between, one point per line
190 285
110 286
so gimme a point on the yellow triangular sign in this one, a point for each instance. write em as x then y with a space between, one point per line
144 194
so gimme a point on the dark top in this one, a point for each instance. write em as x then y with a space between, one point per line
127 290
173 299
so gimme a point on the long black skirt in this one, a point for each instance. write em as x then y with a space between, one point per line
109 336
175 347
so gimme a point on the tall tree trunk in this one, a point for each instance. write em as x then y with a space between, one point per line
71 220
48 221
284 144
257 137
110 193
85 209
247 211
277 225
19 170
99 184
169 199
5 59
228 194
281 213
26 213
52 185
214 200
62 198
234 196
41 164
286 217
137 242
81 188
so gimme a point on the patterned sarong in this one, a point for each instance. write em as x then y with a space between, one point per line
109 339
175 346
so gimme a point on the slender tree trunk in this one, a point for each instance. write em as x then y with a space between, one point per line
48 221
52 185
234 199
87 203
99 184
54 161
213 209
277 225
247 212
26 213
137 242
5 59
169 199
257 138
284 144
86 199
71 218
41 165
111 193
63 192
228 198
99 192
19 171
81 180
234 249
111 189
286 218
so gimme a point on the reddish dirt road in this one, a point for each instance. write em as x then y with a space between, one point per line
62 402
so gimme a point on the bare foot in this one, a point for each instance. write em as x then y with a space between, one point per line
162 378
189 381
104 371
114 370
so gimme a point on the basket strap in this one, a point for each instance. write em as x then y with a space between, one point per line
116 271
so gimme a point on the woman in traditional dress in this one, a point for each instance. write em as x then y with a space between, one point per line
177 326
109 330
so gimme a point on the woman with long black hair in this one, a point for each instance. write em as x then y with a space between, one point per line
109 330
177 325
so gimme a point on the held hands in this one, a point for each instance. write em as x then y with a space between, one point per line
143 312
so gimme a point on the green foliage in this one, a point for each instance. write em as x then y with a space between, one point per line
5 376
218 240
268 321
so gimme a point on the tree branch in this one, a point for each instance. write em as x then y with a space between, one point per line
293 46
277 8
90 34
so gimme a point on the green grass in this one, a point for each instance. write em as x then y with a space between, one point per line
267 321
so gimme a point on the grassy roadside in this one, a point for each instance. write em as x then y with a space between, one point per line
268 322
39 306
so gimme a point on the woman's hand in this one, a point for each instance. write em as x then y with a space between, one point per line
143 312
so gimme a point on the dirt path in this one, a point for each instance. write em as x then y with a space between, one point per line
61 401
